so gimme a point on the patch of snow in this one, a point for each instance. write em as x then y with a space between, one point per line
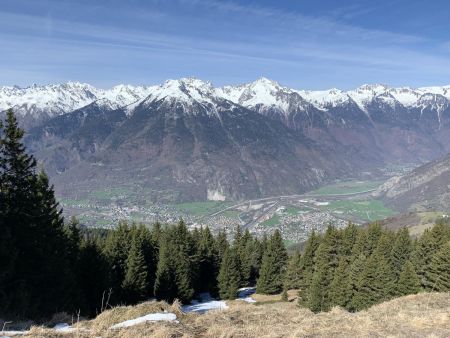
153 317
321 203
12 333
244 294
64 327
206 303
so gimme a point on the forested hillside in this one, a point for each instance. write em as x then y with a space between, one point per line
48 266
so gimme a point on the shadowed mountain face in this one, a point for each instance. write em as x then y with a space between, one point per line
248 141
426 187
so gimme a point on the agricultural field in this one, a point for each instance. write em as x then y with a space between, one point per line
347 187
360 210
202 208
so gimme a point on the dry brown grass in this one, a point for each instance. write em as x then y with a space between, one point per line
423 315
292 296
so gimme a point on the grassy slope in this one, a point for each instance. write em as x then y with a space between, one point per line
422 315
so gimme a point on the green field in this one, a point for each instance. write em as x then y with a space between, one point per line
366 210
274 220
347 187
201 208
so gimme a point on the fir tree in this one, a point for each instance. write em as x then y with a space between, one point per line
294 272
355 274
408 282
326 263
272 271
340 294
37 265
135 283
229 276
438 273
307 266
401 250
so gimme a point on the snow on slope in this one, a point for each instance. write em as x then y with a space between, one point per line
153 317
52 100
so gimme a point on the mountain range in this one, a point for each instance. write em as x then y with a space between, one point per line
188 140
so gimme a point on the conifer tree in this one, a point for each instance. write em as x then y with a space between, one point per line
401 250
438 273
37 266
93 279
272 271
408 282
294 272
326 263
117 247
229 276
307 266
135 283
340 294
355 274
375 284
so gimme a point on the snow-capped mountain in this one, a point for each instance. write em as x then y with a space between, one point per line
35 104
263 95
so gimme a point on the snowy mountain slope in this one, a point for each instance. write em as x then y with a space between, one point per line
35 104
263 95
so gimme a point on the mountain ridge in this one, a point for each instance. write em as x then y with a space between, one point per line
233 142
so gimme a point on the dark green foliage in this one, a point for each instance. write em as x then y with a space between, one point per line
293 272
92 274
408 282
273 266
135 282
34 263
174 274
307 266
438 274
340 293
327 260
401 250
229 275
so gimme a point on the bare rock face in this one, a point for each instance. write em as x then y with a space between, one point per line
427 187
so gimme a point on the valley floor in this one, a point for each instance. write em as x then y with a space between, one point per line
422 315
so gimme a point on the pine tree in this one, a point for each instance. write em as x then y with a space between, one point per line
355 274
37 265
375 284
273 266
165 286
438 273
340 294
174 276
294 272
401 251
92 273
307 266
327 261
117 247
408 282
135 283
229 277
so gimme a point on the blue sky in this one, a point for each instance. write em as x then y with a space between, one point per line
300 43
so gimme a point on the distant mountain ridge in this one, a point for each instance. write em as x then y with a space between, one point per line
425 188
58 99
196 141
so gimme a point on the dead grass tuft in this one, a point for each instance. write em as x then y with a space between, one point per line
422 315
122 313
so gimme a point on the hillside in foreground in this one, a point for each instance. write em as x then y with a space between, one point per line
422 315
